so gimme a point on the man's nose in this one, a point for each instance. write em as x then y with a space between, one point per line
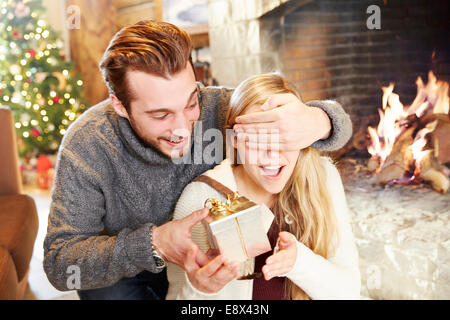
181 126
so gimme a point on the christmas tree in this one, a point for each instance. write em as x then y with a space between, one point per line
36 82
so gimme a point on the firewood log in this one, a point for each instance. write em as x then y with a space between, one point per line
433 116
432 171
440 139
374 163
399 160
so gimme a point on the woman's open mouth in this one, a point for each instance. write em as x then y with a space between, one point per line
271 172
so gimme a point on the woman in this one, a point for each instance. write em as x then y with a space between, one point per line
316 257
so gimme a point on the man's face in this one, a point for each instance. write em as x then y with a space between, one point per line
163 111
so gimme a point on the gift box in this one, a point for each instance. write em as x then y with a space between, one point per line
238 227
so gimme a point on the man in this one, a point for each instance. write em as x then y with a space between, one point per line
117 183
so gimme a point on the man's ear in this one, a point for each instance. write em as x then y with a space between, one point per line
118 106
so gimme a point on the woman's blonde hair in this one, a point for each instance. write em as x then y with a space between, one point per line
304 206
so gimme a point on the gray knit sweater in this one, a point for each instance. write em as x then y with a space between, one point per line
110 189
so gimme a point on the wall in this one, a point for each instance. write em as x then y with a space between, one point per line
89 41
132 11
54 13
85 45
55 16
235 34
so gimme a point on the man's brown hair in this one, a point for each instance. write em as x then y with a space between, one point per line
158 48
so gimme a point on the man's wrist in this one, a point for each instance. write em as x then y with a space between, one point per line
155 242
324 121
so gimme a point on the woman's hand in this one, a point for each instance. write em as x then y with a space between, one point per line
212 277
282 261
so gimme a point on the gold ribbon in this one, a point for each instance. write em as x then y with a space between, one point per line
219 208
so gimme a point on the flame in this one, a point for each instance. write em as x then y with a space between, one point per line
420 142
389 127
432 97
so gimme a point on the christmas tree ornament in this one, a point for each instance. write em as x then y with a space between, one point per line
32 53
61 80
40 76
35 133
22 9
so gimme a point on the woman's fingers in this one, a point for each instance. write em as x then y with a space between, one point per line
286 239
275 270
277 264
283 260
277 258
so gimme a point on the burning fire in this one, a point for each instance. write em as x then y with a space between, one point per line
389 128
395 119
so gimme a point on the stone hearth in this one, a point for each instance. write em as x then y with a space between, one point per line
402 233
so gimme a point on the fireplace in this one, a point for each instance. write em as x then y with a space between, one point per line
411 143
327 50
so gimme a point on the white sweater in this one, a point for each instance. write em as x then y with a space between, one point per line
335 278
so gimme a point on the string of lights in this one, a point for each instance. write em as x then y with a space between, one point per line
40 86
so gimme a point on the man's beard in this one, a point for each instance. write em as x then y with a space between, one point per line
154 144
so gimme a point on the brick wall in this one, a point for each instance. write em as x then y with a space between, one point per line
328 51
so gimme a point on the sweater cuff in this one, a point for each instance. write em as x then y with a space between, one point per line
300 263
139 248
341 125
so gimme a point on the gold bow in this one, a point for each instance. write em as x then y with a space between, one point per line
220 208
